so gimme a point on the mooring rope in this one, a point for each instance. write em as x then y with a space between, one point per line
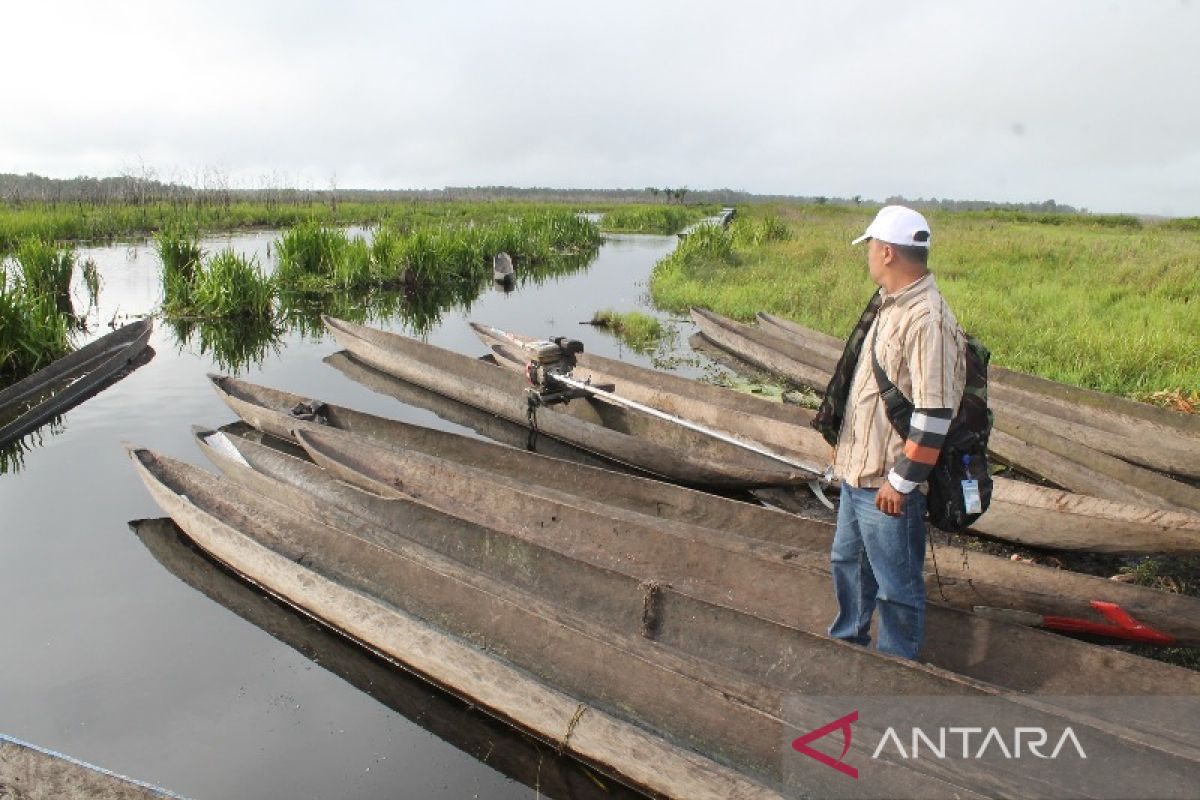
532 401
579 710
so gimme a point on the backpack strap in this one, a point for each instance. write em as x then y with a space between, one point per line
898 407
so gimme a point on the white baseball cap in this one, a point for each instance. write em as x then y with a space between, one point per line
898 225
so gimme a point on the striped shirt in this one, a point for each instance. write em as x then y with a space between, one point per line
923 351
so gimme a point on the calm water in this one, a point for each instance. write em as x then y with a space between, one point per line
110 654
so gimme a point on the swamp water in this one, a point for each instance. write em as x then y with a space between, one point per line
130 651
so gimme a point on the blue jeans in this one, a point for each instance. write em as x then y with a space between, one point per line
880 559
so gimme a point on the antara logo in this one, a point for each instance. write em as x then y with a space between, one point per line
1032 740
800 744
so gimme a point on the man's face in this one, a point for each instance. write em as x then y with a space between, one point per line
875 251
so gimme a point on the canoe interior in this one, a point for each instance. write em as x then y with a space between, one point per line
453 719
625 435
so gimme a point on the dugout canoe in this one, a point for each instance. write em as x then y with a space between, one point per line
1153 437
1027 514
953 577
29 772
450 718
579 667
714 678
730 640
775 425
1021 512
756 577
70 380
619 434
1035 443
513 654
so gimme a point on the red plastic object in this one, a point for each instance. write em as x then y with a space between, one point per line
1120 625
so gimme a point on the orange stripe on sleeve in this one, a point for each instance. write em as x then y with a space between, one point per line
920 453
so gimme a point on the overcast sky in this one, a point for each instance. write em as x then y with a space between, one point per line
1090 103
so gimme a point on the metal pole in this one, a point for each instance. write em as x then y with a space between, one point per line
654 412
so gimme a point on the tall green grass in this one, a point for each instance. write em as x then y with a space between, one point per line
314 257
1100 303
45 268
641 331
650 218
224 285
33 332
105 222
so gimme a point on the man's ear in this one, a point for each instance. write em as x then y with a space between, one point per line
889 253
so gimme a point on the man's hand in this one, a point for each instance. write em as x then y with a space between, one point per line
889 501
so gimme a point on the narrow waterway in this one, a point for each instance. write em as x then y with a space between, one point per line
130 652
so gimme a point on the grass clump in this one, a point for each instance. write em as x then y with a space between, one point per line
44 268
33 332
225 285
639 330
650 219
312 257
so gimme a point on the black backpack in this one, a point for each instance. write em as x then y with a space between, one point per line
964 454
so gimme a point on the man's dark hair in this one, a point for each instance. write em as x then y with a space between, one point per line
917 255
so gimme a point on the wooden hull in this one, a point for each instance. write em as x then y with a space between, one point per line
69 381
953 577
1125 521
1069 402
513 654
1154 437
701 673
619 434
1141 511
29 772
450 718
784 427
580 666
759 578
962 581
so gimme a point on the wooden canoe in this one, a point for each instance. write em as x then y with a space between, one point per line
756 577
450 718
70 380
953 577
1020 512
622 435
29 772
701 673
737 414
1019 438
573 660
1154 437
778 659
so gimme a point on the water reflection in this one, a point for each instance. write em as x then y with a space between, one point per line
12 454
513 754
233 345
417 302
27 422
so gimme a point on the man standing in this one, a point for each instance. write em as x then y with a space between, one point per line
878 551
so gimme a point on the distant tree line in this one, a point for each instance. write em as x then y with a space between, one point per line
141 186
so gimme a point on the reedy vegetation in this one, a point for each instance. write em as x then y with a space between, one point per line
1109 303
107 221
35 322
435 266
651 218
639 330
